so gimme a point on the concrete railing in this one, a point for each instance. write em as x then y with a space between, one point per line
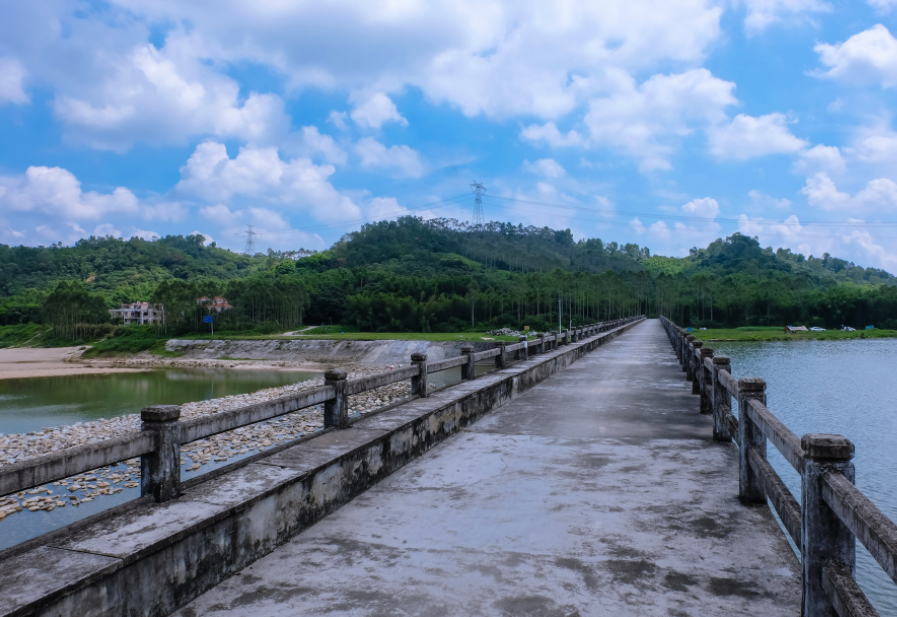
832 513
162 433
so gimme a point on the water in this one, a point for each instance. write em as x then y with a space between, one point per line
844 387
31 404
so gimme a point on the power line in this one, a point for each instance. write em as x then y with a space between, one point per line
695 218
478 189
436 205
250 240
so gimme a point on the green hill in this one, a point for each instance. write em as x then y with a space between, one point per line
436 276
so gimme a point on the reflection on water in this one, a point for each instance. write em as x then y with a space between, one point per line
844 387
31 404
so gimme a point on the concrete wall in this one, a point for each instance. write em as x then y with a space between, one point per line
156 557
378 353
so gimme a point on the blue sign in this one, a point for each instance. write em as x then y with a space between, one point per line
207 319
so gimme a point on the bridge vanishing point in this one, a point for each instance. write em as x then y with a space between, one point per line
581 480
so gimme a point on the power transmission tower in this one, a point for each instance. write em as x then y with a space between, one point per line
250 240
478 190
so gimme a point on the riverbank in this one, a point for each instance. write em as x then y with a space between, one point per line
196 457
759 334
23 362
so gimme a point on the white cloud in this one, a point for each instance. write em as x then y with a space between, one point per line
12 76
383 208
816 240
763 13
747 137
57 192
707 208
822 193
550 134
660 230
637 226
517 57
820 158
162 96
106 229
405 161
876 144
761 200
883 6
310 142
376 110
548 168
260 173
338 119
150 236
647 120
869 57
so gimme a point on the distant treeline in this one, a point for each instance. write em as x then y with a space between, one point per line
439 276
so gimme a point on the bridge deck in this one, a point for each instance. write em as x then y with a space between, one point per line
598 492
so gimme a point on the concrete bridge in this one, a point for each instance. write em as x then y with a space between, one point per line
581 480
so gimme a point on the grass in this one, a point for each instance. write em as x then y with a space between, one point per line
22 334
778 334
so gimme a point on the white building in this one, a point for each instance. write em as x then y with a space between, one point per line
139 313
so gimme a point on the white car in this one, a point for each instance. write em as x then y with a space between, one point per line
817 329
848 329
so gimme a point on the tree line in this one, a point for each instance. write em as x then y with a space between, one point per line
437 276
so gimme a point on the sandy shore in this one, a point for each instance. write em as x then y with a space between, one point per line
20 362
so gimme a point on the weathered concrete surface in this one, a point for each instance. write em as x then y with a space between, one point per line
323 351
158 556
598 492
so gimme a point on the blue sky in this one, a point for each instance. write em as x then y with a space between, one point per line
667 123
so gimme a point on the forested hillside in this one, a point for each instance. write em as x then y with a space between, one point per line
439 276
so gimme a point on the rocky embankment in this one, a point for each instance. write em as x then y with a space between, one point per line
71 492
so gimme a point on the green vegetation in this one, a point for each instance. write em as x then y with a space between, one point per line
20 334
429 279
129 340
778 334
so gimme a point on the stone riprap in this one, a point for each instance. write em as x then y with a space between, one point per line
108 481
151 558
600 491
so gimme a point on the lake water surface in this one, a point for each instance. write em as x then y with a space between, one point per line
844 387
32 404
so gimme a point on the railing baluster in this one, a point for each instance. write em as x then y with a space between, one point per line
160 470
467 370
824 538
722 402
419 382
750 487
336 410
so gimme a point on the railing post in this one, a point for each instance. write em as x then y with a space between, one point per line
160 470
823 537
695 358
467 369
541 336
686 357
688 352
523 354
336 410
706 401
419 382
722 402
566 339
500 358
750 487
